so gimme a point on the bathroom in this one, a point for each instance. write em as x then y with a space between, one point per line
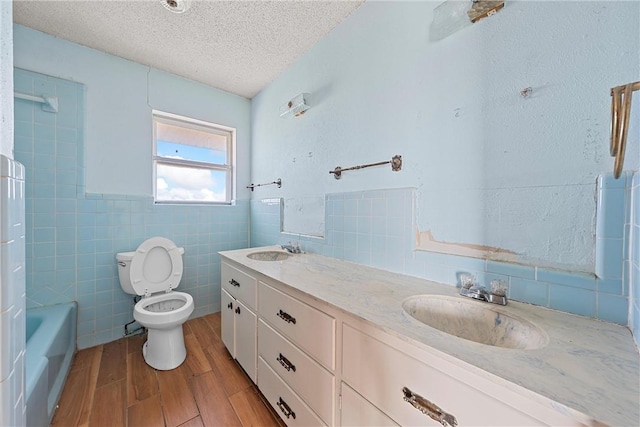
508 168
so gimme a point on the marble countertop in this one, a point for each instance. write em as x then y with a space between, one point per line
588 366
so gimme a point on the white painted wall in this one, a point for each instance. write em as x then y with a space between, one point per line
119 100
6 78
492 168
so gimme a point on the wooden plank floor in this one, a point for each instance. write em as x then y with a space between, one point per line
111 385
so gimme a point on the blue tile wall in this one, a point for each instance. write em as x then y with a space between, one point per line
72 237
376 228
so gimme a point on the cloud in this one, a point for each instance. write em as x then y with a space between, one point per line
161 184
182 194
191 178
188 184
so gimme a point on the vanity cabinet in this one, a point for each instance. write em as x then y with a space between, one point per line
296 345
238 317
319 364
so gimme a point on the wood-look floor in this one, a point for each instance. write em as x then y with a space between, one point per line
111 385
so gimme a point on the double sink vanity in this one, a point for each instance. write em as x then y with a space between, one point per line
330 342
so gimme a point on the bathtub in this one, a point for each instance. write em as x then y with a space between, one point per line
51 343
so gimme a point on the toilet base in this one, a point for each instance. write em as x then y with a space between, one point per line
164 348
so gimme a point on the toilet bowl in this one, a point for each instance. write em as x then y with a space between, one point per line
152 271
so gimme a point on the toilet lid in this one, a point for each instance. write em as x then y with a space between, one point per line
156 266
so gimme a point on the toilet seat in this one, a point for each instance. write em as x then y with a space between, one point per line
156 266
169 316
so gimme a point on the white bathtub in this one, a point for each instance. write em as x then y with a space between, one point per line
51 343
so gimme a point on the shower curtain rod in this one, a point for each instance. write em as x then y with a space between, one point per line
49 104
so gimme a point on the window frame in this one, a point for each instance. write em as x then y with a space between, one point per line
200 125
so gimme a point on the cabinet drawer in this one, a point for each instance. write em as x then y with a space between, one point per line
379 373
313 383
308 328
357 411
283 399
239 284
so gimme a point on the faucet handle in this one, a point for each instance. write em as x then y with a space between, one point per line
467 280
499 287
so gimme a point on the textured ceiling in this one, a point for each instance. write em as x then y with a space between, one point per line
236 46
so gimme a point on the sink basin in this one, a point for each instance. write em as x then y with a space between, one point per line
475 321
269 256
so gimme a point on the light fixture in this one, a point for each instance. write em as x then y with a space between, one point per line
454 15
296 107
176 6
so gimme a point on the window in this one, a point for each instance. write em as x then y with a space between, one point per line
192 160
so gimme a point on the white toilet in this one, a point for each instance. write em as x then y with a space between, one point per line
153 271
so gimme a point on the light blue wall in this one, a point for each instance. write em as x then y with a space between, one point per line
119 97
490 167
102 133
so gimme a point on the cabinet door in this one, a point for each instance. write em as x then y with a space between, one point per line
357 411
228 304
246 339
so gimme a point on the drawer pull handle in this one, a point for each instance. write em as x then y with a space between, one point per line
286 410
430 409
286 363
286 317
230 306
237 310
233 282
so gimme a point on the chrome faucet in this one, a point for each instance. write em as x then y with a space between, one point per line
480 293
291 248
497 295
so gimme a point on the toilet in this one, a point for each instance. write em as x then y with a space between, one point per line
153 271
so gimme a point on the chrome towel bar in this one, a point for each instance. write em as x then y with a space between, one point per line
277 182
395 162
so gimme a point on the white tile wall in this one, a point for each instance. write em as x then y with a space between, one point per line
12 292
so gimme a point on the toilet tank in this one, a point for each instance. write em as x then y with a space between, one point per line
124 267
